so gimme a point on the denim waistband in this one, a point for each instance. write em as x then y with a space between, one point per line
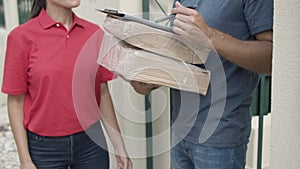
35 136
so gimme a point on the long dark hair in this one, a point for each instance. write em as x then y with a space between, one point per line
36 8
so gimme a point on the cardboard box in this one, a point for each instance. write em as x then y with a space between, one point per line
139 52
162 42
132 63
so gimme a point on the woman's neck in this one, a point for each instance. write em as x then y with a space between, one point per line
62 15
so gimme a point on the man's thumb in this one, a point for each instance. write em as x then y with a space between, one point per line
178 4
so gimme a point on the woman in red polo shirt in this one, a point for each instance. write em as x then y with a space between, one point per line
54 88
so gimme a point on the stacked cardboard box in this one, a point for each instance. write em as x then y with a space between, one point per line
142 53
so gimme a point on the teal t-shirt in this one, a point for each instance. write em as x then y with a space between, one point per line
222 118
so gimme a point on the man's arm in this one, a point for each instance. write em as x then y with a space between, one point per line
255 55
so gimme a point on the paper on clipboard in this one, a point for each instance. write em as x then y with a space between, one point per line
123 16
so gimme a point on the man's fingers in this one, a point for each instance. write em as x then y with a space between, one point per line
178 4
180 9
180 32
183 25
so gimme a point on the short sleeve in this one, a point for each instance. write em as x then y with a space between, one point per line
259 15
15 75
105 75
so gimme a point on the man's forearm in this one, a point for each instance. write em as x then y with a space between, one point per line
255 55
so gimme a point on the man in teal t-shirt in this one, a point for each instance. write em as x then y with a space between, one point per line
241 33
212 131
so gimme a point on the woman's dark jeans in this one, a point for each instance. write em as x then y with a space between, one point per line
77 151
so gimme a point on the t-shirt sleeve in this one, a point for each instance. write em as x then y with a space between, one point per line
259 15
15 75
105 75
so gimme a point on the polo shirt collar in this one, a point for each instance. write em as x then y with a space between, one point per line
46 21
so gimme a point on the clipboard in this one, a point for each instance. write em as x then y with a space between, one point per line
123 16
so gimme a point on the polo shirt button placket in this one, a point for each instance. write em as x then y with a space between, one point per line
68 36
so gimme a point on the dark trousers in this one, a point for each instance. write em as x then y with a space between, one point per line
77 151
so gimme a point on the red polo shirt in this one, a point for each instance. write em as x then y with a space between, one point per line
57 71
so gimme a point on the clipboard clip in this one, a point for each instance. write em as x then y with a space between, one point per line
111 12
122 16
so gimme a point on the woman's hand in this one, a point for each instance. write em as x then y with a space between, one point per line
27 165
123 162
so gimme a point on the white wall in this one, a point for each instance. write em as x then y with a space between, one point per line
285 130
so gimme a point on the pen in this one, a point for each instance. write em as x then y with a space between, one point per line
111 12
172 15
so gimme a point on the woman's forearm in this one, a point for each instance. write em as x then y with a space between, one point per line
16 115
110 122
